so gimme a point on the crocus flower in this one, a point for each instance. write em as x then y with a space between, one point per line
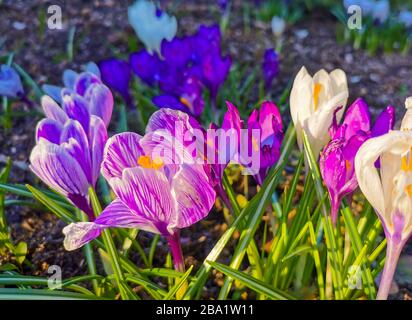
69 151
187 66
389 189
10 83
146 66
69 80
116 74
215 70
268 122
405 17
152 194
313 101
70 142
151 25
270 67
186 97
278 26
338 157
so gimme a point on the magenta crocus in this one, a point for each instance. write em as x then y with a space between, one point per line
337 159
267 122
70 142
116 74
152 193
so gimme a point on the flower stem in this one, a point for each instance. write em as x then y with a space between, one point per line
176 250
393 251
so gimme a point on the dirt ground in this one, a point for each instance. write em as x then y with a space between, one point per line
102 29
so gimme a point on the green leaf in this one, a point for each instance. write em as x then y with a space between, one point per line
42 294
298 251
256 207
20 252
252 283
52 205
182 281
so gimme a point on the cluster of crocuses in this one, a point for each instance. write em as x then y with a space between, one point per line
378 159
156 193
181 69
164 192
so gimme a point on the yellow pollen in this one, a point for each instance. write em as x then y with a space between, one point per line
348 165
147 162
185 102
408 190
255 144
316 92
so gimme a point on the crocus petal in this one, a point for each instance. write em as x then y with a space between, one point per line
384 122
100 102
397 142
116 74
357 118
84 81
54 165
76 108
169 101
270 67
97 138
147 193
49 129
10 83
74 140
146 66
52 110
69 78
53 91
150 27
122 151
78 234
194 195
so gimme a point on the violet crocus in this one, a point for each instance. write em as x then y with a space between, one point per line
389 189
186 66
70 142
337 158
10 83
91 74
152 193
116 74
270 67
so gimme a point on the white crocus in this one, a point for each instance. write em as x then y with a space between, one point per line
389 189
313 101
278 26
151 26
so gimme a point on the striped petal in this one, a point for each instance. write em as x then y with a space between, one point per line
194 195
147 193
122 151
57 168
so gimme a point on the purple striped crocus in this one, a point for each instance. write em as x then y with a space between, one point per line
70 141
337 159
152 195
